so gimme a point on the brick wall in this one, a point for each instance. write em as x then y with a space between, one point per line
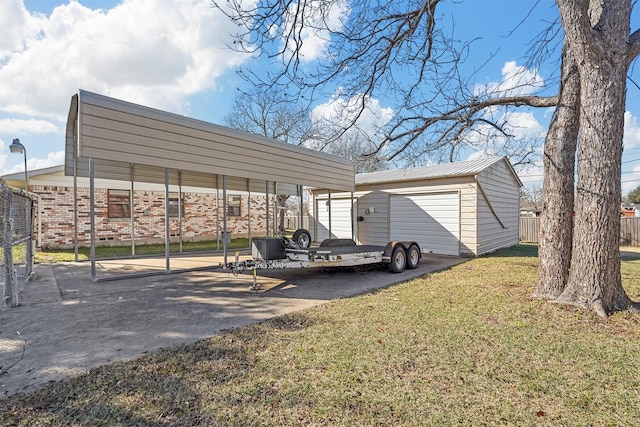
199 221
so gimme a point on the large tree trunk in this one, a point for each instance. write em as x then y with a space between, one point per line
600 48
594 279
556 225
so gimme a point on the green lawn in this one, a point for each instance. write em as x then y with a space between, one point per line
463 346
84 253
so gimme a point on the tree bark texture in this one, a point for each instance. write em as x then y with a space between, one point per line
556 225
600 50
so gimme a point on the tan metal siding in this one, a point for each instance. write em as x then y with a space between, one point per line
374 228
431 219
340 218
478 232
70 135
58 180
464 185
468 220
118 131
503 193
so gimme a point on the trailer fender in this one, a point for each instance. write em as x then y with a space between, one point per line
388 250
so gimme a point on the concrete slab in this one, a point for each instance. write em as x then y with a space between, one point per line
67 324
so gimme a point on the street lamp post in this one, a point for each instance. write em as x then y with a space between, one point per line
17 147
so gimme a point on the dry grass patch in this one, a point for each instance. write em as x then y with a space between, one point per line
463 346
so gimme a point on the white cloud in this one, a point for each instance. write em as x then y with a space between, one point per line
532 175
17 126
154 52
15 22
53 159
340 111
321 18
524 124
516 80
631 131
631 180
631 154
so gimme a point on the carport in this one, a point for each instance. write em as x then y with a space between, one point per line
109 138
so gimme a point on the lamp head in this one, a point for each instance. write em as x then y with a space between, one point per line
16 146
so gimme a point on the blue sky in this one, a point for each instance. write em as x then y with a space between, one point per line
172 55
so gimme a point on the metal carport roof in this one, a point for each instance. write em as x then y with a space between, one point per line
109 138
118 134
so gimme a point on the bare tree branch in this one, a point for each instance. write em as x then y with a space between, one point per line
378 49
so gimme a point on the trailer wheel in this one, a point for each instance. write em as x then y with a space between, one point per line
302 237
413 257
398 260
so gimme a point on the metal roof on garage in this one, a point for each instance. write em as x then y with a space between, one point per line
448 170
132 142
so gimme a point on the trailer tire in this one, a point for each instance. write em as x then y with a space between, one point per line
413 257
398 260
302 238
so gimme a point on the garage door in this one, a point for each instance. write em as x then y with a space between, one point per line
432 220
340 219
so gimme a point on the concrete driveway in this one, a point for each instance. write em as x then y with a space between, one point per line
67 324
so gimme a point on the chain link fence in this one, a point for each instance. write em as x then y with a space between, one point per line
16 235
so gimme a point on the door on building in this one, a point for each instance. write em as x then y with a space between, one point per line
432 220
341 213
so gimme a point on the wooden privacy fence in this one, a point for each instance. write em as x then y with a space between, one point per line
629 230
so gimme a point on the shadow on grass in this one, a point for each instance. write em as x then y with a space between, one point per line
531 250
626 255
176 386
522 250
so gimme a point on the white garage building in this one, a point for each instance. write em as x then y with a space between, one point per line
462 209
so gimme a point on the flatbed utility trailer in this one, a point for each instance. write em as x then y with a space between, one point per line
283 253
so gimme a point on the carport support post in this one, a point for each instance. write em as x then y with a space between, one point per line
224 217
276 216
268 206
167 240
131 211
353 228
249 214
329 199
92 217
180 209
75 206
217 213
301 213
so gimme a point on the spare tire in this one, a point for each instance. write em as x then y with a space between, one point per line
302 238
